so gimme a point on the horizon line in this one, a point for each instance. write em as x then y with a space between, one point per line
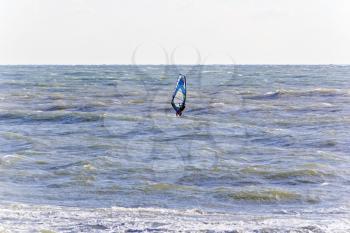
213 64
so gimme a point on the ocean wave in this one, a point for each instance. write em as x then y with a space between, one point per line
212 179
297 175
82 107
46 218
79 73
322 92
66 117
58 107
272 195
10 159
163 187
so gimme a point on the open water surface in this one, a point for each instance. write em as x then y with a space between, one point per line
99 148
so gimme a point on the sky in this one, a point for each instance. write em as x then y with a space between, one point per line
174 32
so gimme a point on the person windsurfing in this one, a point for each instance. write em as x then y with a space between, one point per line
179 97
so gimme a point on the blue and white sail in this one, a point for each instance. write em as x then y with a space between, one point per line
179 97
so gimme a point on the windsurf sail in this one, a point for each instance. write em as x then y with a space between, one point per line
179 97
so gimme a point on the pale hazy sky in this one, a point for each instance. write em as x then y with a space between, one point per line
174 31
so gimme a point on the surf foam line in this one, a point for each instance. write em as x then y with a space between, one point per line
17 217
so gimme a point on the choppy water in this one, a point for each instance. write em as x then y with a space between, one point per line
259 148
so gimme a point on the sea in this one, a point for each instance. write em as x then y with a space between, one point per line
98 148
